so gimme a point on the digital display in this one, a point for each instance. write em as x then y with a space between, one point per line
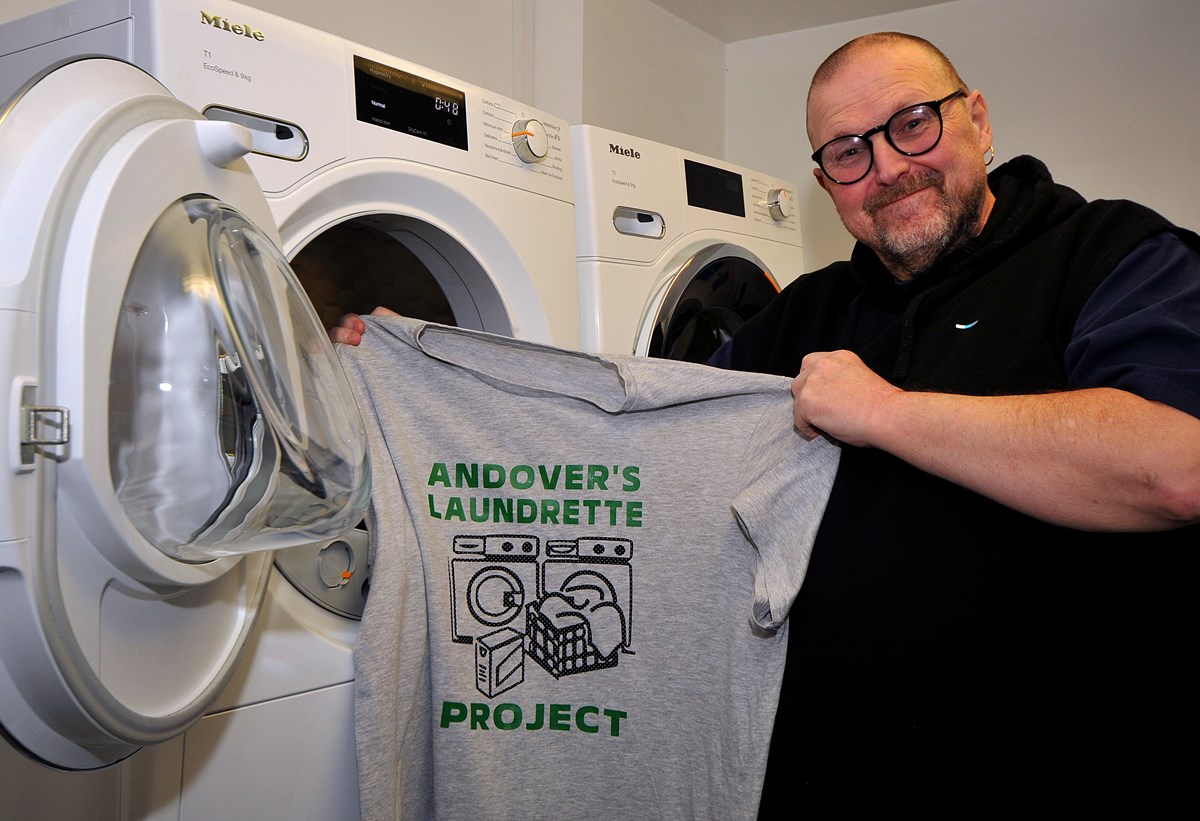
715 189
395 99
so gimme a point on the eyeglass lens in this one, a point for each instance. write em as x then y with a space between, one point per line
910 131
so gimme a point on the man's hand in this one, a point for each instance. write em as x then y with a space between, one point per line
350 328
836 394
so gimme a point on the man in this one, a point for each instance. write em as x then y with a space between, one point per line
995 608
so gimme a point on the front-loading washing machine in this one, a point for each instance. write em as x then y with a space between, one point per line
387 184
675 250
173 413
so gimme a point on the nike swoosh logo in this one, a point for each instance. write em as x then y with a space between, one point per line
962 327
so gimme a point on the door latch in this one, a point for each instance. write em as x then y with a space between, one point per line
41 426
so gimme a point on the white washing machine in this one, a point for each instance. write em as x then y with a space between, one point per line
676 250
385 183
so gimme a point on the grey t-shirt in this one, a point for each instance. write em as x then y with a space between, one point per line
582 567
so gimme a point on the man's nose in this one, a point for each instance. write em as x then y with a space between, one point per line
890 164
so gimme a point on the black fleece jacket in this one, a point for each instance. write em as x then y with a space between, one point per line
938 631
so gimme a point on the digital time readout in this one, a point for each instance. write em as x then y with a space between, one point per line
401 101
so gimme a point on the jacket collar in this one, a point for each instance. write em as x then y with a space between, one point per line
1027 202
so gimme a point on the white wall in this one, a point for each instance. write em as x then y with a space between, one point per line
558 58
651 75
629 66
1104 91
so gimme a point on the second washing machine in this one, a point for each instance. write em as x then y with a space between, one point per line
675 250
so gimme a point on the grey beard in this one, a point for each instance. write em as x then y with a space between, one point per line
908 254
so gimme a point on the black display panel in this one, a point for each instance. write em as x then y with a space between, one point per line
714 188
395 99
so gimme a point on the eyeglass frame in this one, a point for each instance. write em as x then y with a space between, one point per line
936 105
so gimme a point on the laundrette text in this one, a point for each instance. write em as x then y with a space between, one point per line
583 511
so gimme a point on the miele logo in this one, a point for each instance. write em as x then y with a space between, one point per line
219 22
613 148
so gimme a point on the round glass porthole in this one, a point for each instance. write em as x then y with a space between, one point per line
231 425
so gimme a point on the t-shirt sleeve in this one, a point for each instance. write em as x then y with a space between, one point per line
785 485
1140 329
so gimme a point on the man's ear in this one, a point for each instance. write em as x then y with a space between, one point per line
979 116
821 181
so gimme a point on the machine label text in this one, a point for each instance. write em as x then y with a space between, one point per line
244 29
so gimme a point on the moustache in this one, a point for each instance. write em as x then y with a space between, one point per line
909 185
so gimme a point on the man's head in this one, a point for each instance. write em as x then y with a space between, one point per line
911 210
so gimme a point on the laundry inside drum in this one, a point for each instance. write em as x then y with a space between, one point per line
354 267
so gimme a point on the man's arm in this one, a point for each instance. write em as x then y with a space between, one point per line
1092 459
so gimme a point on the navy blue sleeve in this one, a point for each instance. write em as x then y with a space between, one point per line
1140 330
722 357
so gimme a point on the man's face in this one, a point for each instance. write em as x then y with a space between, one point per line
909 210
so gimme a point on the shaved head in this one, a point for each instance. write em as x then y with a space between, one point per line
839 59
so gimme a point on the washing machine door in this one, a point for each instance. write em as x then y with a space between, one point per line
698 309
173 413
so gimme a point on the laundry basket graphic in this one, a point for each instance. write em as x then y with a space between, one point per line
562 642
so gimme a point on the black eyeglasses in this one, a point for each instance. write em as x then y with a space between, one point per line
911 131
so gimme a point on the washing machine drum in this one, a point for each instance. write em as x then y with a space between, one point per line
175 413
710 297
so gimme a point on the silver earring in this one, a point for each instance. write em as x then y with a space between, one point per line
991 156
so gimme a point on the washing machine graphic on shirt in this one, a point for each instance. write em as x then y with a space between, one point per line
596 572
492 578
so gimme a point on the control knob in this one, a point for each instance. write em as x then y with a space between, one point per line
779 204
530 140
